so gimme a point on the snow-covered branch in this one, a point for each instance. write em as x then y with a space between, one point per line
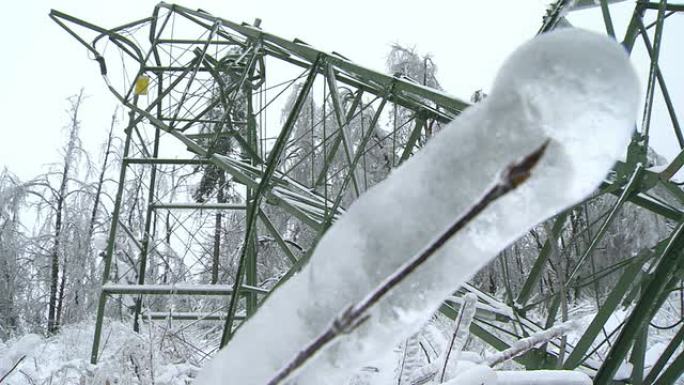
525 344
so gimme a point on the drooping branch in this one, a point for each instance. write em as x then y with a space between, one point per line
512 176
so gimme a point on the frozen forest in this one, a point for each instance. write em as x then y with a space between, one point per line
259 212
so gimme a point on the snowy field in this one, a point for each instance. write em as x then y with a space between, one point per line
156 356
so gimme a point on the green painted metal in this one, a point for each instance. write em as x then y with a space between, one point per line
662 361
187 316
661 83
607 19
673 167
413 138
609 305
658 4
650 87
197 206
220 290
638 356
250 246
145 243
338 139
631 187
166 161
632 29
342 122
264 184
535 273
110 245
304 259
673 373
644 308
359 153
279 239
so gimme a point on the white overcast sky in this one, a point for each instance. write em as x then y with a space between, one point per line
42 65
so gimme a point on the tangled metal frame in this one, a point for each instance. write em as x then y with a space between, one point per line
175 65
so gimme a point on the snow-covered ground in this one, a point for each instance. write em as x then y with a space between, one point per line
151 357
658 339
169 357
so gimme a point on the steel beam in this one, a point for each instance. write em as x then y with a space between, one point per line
178 289
645 307
188 316
99 318
198 206
264 184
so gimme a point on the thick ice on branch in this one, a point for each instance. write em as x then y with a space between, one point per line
523 345
575 87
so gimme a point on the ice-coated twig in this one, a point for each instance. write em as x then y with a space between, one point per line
12 369
525 344
436 371
410 360
459 337
350 318
424 374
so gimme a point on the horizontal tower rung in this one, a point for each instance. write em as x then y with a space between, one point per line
184 289
200 206
165 161
189 316
207 135
194 41
668 7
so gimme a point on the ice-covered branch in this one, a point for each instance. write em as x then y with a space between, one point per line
512 177
525 344
459 337
12 369
437 371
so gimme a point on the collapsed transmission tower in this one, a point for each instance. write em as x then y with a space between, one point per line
206 87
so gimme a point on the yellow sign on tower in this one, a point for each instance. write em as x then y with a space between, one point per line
141 84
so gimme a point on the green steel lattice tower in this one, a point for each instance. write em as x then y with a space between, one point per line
192 82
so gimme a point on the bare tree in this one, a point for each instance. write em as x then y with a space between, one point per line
56 300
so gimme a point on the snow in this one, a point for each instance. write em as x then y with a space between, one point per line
471 357
9 356
624 372
575 87
100 241
653 353
126 358
461 371
542 377
476 375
